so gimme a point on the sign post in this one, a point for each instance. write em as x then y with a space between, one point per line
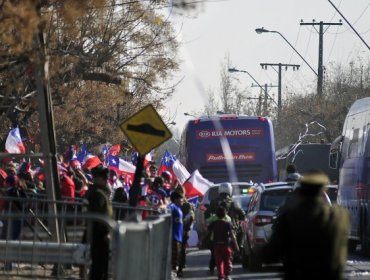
146 131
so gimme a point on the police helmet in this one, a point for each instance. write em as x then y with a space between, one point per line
225 188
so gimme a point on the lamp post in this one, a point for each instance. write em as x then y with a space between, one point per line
233 70
262 30
189 115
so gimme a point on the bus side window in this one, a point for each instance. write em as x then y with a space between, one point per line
353 150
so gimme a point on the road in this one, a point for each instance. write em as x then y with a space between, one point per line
197 268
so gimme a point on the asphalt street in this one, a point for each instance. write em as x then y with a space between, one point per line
197 268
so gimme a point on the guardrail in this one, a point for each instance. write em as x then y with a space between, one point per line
33 253
147 249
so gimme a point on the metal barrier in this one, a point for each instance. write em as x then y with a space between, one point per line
28 250
147 243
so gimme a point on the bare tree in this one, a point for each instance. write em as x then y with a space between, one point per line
108 58
343 86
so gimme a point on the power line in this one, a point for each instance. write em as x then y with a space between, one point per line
279 65
332 46
349 24
360 16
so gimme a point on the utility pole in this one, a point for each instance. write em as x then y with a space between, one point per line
320 70
266 86
279 65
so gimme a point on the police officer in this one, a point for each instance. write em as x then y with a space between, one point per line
225 197
188 217
310 236
99 203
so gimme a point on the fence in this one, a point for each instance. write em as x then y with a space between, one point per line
28 248
147 250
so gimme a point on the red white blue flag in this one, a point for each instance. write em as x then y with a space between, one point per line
167 162
122 167
196 185
14 144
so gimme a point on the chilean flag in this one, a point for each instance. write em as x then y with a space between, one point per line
91 161
167 162
182 174
148 158
14 144
196 185
122 167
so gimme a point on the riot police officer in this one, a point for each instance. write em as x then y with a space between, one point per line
310 236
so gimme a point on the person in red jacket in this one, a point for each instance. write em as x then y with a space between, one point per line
67 187
221 232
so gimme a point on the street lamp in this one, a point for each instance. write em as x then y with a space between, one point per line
233 70
262 30
189 115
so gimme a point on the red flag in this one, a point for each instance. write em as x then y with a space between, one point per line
90 162
196 185
115 149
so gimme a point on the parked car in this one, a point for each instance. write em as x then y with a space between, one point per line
242 192
261 213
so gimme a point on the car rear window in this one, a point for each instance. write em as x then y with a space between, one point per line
273 199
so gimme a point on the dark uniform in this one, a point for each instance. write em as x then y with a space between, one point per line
310 236
98 198
188 217
188 214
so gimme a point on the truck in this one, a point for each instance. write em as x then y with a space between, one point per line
306 157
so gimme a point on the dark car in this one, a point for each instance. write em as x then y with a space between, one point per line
261 213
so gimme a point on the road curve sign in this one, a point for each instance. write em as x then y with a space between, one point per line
145 130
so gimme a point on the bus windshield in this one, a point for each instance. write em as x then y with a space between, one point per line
251 142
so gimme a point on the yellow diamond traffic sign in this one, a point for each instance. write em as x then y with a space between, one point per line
145 130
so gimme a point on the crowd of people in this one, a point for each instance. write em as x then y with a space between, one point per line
101 186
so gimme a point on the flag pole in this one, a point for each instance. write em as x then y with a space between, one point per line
135 189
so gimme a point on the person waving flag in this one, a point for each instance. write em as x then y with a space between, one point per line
14 144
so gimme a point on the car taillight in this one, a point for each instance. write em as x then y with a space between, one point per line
262 220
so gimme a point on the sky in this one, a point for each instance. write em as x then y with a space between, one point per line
228 27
